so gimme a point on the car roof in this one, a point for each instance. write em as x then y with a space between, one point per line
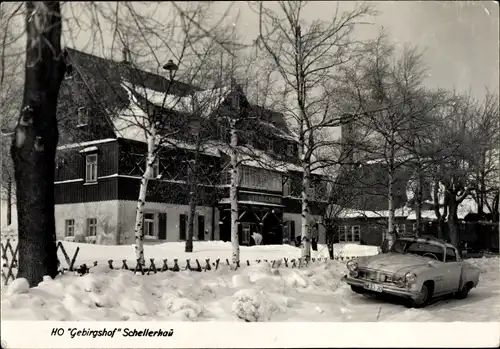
427 239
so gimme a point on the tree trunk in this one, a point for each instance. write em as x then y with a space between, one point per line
330 237
418 205
390 197
35 141
453 223
9 202
304 231
192 206
141 201
233 195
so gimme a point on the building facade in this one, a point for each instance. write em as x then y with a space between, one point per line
101 159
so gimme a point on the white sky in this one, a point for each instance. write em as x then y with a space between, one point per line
461 39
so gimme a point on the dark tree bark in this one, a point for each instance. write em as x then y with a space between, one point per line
192 178
9 202
35 140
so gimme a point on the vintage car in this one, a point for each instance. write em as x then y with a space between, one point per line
417 269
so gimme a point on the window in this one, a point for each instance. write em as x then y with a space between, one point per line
451 255
82 115
287 187
156 168
149 224
414 226
356 233
350 233
70 227
260 179
270 145
245 239
91 168
182 226
401 228
342 233
290 149
91 226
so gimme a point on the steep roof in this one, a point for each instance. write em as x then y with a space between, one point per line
112 79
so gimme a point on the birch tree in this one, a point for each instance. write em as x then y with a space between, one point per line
161 116
307 57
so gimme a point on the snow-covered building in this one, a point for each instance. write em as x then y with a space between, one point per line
102 153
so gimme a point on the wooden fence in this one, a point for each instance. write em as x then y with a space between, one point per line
10 264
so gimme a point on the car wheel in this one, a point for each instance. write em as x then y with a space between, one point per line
464 292
422 299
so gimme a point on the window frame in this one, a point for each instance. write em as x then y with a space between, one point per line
67 227
91 223
82 111
92 178
358 234
149 220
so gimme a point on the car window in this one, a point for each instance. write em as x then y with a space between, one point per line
421 249
451 255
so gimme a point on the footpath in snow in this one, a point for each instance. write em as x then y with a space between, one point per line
252 293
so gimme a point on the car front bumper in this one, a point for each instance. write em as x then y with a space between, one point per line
392 290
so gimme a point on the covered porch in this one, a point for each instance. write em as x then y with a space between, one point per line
254 217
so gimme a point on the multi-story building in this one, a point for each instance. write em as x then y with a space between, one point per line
101 159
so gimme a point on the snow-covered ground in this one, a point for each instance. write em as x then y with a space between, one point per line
252 293
203 250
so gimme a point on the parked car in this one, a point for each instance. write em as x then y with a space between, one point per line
417 269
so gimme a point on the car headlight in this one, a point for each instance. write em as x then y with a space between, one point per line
352 265
410 278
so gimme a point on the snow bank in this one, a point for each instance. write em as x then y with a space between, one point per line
256 293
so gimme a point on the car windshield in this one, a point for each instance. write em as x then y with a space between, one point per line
418 248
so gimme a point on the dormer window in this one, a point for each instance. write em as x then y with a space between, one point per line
82 116
270 145
290 149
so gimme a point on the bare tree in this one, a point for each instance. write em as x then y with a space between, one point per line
389 89
486 128
453 134
307 58
35 141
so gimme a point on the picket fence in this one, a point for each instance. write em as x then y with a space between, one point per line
10 263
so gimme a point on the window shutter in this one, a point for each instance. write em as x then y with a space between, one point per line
182 227
162 226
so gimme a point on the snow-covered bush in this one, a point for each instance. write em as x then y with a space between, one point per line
79 238
105 239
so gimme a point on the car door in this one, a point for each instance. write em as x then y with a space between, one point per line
452 271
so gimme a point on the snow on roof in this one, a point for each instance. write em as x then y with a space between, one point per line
228 201
353 213
129 125
202 102
467 206
88 149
